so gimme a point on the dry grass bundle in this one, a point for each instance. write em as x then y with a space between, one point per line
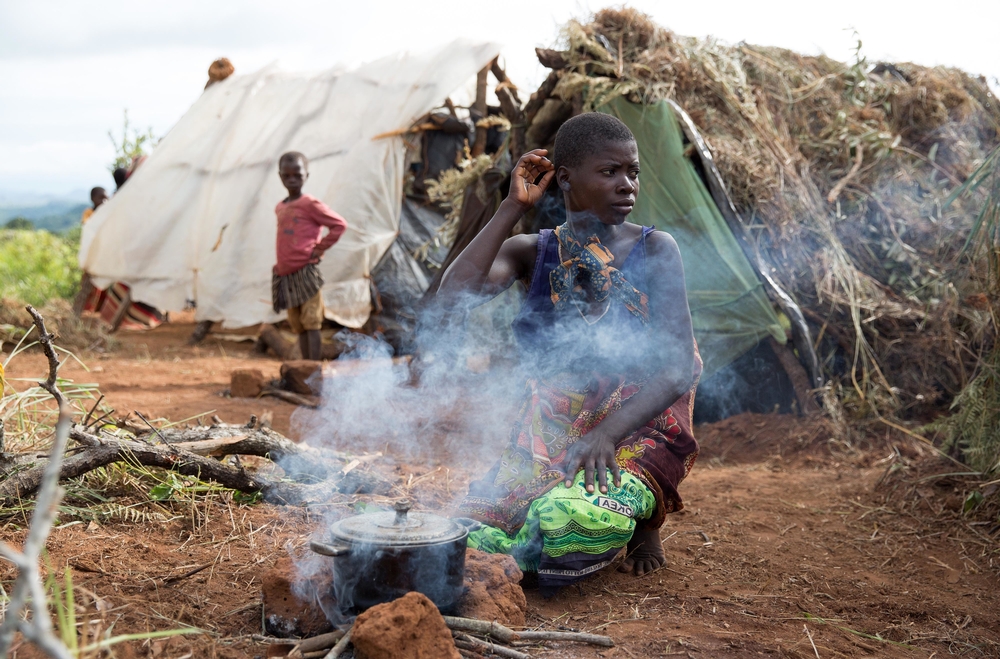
974 428
449 192
71 331
841 173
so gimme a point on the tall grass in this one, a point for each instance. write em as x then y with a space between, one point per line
974 426
37 266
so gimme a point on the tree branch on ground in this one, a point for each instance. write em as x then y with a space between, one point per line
29 591
192 458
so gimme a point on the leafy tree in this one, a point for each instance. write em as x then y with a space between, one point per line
131 145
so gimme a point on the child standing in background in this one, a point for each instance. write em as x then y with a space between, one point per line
90 297
296 282
97 197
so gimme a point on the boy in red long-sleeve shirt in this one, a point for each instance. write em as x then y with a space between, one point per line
296 282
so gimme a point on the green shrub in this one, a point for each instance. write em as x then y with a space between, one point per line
19 223
36 266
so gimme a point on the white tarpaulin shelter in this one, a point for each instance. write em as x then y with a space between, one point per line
196 221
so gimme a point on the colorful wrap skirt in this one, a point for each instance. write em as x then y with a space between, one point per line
116 308
562 533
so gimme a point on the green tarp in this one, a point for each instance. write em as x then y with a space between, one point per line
729 308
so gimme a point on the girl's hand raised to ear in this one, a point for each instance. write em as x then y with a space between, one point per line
524 191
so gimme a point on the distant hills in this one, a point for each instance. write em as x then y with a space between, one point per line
54 215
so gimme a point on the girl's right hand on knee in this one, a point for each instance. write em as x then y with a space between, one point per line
596 456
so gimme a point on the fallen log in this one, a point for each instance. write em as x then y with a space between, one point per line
100 451
293 458
296 464
11 463
271 338
26 482
222 439
220 430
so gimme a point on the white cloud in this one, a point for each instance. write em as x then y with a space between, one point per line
67 69
72 157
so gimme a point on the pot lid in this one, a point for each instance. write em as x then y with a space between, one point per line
399 528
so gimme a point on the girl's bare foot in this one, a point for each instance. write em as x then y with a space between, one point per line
644 553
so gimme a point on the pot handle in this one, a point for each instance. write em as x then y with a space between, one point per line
468 523
328 550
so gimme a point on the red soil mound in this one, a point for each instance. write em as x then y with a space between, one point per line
408 628
494 587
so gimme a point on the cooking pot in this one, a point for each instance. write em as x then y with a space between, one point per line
379 557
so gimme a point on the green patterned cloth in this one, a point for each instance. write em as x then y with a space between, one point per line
565 522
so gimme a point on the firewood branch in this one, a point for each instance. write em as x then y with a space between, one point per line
504 634
184 458
50 354
29 591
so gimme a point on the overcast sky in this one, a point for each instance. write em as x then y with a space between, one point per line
68 69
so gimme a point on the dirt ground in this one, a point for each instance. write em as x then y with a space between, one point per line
789 545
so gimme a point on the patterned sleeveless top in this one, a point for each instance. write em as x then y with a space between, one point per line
558 342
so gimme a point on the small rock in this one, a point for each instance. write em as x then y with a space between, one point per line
246 383
493 590
410 627
297 376
285 613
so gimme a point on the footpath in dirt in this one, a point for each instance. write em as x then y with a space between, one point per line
788 545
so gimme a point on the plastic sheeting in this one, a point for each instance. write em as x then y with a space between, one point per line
196 220
730 310
400 277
